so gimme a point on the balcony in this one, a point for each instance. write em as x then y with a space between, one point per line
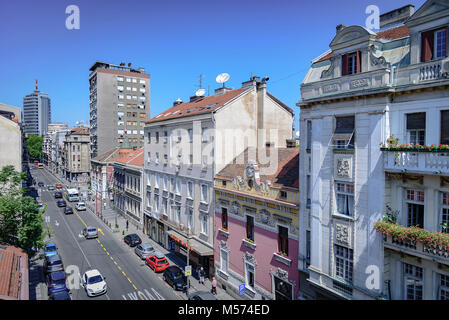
422 162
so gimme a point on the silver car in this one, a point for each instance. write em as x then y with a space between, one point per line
144 250
90 232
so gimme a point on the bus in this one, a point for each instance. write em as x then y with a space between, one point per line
36 162
73 195
40 165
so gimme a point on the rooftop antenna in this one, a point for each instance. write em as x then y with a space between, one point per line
37 90
222 78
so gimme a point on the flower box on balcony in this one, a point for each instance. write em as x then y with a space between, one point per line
224 232
282 258
249 243
417 148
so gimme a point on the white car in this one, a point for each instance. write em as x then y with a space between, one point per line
81 206
94 284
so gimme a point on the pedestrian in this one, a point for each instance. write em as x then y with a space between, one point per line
202 274
127 225
214 286
198 269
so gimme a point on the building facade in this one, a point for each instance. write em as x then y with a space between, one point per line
36 113
102 174
257 224
374 89
119 105
77 155
187 145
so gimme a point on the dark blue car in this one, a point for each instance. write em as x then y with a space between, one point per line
56 282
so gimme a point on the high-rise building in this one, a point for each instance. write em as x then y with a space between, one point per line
119 105
36 112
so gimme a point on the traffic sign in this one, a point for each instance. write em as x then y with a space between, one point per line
188 270
241 289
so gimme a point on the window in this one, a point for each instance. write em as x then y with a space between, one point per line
415 208
343 137
190 135
283 240
345 198
444 212
204 166
204 223
149 177
190 218
413 281
344 263
224 218
351 63
172 184
178 214
308 248
142 81
309 201
149 137
416 128
156 203
249 275
204 135
157 137
165 206
156 180
444 127
443 293
157 157
204 193
283 195
165 183
178 186
434 44
309 135
224 260
250 228
190 189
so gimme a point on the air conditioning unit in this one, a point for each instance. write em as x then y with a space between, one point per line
445 66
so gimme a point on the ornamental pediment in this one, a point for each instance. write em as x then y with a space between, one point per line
251 181
349 36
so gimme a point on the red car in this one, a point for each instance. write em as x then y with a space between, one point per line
58 186
158 262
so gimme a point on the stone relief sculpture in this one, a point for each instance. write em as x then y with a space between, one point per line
344 168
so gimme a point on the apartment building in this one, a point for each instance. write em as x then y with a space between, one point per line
186 145
51 145
102 174
36 113
119 105
77 155
257 224
128 185
361 100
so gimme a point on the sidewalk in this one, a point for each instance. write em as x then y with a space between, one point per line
109 219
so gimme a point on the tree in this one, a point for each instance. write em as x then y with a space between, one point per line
21 220
34 144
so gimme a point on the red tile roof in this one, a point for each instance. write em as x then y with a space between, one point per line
286 175
79 131
13 283
205 105
131 157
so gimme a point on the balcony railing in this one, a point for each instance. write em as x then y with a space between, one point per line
417 162
417 249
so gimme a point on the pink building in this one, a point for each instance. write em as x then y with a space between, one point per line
257 225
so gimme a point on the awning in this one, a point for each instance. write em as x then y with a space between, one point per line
194 245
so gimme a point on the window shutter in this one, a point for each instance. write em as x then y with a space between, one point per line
427 40
416 121
344 65
447 41
359 62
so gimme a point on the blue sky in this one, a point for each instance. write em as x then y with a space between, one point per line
175 41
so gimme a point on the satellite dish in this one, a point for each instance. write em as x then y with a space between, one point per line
200 92
222 78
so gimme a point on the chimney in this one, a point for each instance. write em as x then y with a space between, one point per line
196 98
177 102
222 90
340 27
396 16
251 82
261 89
129 64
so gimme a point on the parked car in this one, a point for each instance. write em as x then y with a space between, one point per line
175 277
81 206
94 283
132 240
68 210
53 263
58 186
56 281
40 184
40 203
60 295
144 250
51 187
61 203
157 262
90 233
58 195
50 249
202 295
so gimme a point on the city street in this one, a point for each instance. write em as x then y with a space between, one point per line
126 275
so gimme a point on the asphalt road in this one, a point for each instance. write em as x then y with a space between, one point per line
126 275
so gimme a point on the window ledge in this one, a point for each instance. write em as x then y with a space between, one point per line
249 244
283 259
223 274
224 232
204 234
342 216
